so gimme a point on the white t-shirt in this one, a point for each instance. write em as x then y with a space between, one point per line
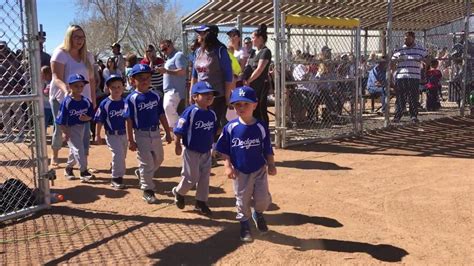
71 66
241 54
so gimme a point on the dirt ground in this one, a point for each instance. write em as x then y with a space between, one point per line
403 195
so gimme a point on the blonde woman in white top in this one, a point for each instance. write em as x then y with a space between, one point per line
71 57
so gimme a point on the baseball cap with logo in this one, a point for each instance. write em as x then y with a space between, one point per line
202 87
211 28
140 68
243 94
112 78
76 78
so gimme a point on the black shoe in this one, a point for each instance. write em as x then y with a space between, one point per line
245 234
149 197
202 207
86 176
117 183
69 173
178 199
137 174
260 222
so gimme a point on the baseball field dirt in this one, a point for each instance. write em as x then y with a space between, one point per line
401 195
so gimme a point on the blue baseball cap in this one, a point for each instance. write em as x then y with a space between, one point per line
76 78
202 87
202 28
140 68
112 78
243 94
211 28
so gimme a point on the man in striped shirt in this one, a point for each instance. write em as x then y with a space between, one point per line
407 78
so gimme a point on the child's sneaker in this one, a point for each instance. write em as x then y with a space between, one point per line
245 234
137 174
202 207
260 222
69 173
117 183
86 176
149 197
178 199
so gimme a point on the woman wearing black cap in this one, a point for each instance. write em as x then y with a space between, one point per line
212 64
256 73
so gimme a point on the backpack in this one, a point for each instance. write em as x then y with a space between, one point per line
15 195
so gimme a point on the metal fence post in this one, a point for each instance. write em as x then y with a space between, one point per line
465 58
184 36
389 51
358 92
277 68
39 123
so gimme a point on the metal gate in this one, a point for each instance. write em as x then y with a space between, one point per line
320 90
24 185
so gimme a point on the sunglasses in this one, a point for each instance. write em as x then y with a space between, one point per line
79 37
164 49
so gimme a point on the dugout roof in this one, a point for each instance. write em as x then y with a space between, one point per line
407 14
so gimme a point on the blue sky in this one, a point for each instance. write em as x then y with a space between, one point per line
56 15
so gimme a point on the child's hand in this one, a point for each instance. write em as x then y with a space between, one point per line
229 172
132 145
168 137
85 118
99 140
272 169
178 149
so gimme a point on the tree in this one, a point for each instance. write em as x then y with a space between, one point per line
133 23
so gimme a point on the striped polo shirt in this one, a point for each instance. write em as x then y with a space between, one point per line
410 65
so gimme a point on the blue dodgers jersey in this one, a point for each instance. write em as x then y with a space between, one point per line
144 109
70 111
112 114
197 128
247 145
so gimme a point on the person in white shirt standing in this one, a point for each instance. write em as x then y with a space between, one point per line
174 81
407 80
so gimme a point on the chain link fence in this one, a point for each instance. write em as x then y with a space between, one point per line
320 93
23 160
429 102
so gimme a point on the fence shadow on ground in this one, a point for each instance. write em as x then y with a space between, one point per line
67 235
448 137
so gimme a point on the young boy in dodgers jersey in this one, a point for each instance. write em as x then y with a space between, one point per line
145 112
246 146
197 127
112 115
74 111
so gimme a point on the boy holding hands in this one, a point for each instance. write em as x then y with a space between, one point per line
74 112
112 115
197 127
246 147
145 112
